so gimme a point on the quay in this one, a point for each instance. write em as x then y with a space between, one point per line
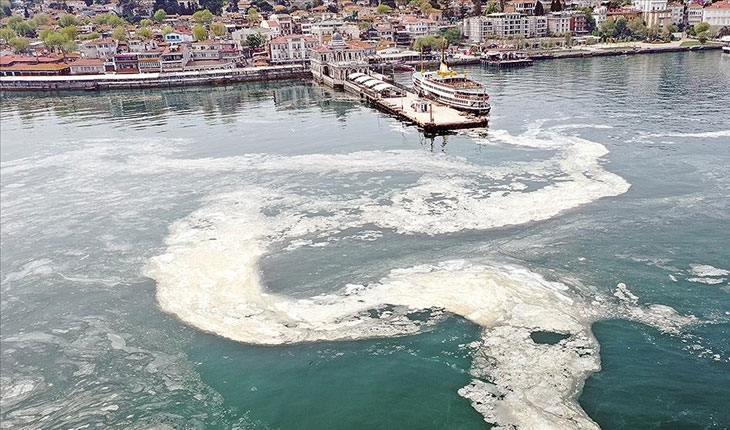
151 80
402 102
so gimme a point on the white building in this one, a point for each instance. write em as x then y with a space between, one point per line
650 5
99 48
694 14
478 28
717 14
331 63
419 27
293 48
677 10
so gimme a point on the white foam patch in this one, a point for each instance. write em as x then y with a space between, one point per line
704 270
209 274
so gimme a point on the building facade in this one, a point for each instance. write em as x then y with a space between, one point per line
291 49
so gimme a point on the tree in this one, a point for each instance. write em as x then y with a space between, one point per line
724 31
621 24
200 33
13 21
653 32
452 35
67 20
159 15
607 29
539 9
218 29
636 28
7 33
701 27
492 7
69 46
26 28
146 22
254 40
92 36
54 40
555 6
70 33
167 30
42 19
120 33
108 19
203 16
253 16
144 33
427 43
19 44
383 9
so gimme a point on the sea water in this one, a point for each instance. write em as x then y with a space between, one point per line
282 256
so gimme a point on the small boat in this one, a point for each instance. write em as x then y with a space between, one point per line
453 89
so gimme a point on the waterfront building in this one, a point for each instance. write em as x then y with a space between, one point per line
175 57
126 62
662 18
650 5
290 49
20 65
332 62
478 28
87 66
717 14
149 61
99 48
599 14
694 14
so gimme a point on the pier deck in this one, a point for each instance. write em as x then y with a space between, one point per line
438 118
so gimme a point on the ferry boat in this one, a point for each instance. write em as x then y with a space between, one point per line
725 44
452 89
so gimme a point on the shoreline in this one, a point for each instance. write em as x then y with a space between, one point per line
276 73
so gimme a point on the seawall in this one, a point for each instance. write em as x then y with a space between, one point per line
151 80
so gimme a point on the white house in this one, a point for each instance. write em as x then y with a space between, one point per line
290 49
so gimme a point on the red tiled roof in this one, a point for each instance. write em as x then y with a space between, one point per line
88 62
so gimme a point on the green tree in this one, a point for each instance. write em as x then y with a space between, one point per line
19 44
253 16
26 28
42 19
701 27
120 33
70 32
146 22
621 25
555 6
452 35
92 36
607 28
69 46
493 7
218 29
254 40
433 42
108 19
7 33
383 9
54 40
203 16
636 28
199 33
160 15
13 21
167 30
67 20
144 33
653 32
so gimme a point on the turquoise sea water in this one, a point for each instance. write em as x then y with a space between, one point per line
592 173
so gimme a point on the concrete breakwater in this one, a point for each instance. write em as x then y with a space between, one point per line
152 80
616 51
